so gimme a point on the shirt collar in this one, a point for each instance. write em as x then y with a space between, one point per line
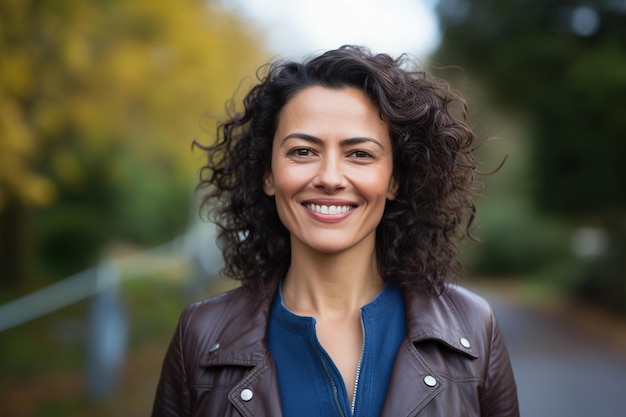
305 325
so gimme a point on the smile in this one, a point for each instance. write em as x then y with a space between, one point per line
324 209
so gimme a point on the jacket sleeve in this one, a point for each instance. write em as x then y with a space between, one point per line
499 397
172 395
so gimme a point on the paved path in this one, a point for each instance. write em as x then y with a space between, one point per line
566 365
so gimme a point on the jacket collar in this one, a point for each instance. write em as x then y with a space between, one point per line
243 339
437 318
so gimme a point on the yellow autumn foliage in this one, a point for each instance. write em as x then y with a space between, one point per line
79 78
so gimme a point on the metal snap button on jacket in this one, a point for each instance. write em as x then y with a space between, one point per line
430 381
466 344
246 394
214 347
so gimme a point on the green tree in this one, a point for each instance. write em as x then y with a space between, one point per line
99 103
563 63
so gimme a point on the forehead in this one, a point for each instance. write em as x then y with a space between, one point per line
320 98
329 111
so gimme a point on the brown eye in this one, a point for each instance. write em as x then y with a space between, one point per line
300 152
361 154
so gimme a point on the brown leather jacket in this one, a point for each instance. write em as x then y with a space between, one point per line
452 363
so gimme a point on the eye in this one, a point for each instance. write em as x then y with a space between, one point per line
360 154
302 152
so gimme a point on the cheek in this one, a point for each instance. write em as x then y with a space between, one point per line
283 200
380 184
283 188
290 178
286 190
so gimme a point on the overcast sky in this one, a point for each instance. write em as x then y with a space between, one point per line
299 27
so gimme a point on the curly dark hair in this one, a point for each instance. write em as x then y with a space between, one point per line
421 229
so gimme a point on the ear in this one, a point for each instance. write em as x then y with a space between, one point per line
268 183
392 190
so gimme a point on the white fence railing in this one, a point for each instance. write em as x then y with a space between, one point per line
106 329
92 281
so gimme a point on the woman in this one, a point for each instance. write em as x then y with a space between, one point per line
342 192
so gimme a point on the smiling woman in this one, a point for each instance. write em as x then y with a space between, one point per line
341 194
331 172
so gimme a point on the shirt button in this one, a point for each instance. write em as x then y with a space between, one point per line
246 394
430 381
465 343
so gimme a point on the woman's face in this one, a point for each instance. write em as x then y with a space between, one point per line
331 169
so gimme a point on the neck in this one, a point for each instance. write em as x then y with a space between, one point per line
322 285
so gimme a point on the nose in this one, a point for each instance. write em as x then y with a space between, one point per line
330 175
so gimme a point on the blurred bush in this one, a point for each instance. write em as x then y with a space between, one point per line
516 241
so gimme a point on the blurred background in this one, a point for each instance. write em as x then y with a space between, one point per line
101 245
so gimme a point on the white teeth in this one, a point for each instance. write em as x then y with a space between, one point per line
323 209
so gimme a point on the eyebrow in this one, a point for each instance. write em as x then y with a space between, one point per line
344 142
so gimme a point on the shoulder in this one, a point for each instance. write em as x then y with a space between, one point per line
223 305
473 311
235 322
454 303
467 302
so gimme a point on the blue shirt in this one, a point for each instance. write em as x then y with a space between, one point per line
309 382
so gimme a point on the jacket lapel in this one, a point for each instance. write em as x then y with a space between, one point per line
413 382
243 343
411 386
256 395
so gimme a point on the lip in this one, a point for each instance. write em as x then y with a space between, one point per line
329 210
